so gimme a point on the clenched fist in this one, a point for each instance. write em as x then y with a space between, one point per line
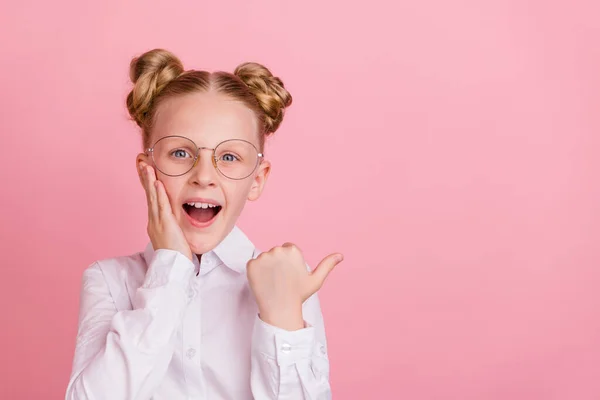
281 282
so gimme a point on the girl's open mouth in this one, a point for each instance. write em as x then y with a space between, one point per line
202 212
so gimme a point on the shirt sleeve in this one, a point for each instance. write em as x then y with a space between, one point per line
125 354
291 364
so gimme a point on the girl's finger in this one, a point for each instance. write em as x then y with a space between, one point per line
144 179
164 207
319 274
151 193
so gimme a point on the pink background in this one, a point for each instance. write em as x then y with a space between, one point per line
448 149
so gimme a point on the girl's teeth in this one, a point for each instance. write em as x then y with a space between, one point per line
201 205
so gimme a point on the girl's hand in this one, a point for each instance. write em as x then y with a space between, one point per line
163 229
281 283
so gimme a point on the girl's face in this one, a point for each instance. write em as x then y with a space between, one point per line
207 119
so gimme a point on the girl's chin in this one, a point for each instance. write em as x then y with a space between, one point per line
201 241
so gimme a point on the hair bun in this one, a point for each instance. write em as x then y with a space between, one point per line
150 73
272 96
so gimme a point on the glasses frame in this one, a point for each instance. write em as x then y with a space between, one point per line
259 159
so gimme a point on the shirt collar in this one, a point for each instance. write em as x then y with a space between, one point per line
235 250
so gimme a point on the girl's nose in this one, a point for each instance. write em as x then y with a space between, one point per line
204 172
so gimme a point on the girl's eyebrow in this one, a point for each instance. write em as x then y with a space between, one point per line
216 144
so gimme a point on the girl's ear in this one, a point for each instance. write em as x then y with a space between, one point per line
259 181
142 157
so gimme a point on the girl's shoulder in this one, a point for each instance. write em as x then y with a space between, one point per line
133 264
122 275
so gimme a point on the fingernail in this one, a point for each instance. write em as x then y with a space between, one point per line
339 258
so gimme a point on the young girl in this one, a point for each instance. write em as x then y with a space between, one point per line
201 313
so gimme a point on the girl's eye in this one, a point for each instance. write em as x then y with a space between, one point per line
229 157
179 153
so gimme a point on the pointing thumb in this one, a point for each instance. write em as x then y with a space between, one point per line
325 267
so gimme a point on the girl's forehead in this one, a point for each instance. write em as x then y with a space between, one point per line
206 119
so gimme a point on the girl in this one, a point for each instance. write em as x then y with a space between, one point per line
199 314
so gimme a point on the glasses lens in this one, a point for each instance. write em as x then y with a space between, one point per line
174 155
236 159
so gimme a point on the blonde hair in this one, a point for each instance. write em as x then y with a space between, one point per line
158 75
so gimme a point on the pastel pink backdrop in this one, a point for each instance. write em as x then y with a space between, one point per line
448 149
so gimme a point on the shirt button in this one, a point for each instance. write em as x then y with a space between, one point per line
323 350
286 348
190 353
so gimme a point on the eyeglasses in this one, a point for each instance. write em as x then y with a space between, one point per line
177 155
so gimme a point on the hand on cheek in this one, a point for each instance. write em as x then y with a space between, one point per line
281 283
163 229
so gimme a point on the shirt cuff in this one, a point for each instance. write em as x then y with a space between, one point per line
286 347
168 266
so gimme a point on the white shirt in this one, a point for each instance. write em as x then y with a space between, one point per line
152 327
